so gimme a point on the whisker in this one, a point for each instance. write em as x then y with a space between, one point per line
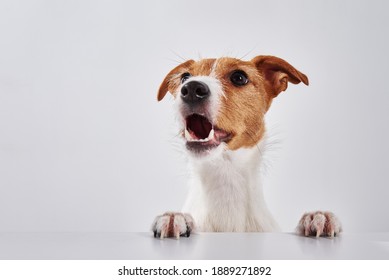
252 138
199 55
179 56
173 60
250 51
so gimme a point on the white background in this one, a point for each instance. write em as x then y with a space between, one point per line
84 146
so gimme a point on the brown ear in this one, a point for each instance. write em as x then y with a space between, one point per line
164 87
278 73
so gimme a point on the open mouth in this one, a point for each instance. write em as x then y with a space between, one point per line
202 135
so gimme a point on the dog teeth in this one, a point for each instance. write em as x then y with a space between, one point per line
189 137
211 134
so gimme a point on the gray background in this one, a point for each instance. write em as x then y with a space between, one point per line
84 146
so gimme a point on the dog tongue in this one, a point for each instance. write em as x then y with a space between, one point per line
199 126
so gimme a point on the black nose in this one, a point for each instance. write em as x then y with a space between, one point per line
194 92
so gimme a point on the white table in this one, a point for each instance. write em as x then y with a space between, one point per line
120 246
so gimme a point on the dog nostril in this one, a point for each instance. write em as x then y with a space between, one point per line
184 91
201 92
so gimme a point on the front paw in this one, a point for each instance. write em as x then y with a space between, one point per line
319 223
173 224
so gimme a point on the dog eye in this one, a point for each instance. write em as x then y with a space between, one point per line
184 77
239 78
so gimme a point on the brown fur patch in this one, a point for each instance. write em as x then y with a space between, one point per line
243 107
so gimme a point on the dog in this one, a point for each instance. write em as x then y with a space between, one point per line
221 104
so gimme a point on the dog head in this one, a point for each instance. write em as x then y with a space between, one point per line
222 102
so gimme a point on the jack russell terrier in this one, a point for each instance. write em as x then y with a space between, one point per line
221 104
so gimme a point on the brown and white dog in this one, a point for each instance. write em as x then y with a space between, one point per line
221 104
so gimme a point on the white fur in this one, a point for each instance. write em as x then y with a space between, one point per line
226 192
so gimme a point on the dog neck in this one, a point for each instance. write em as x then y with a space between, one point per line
229 169
226 191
